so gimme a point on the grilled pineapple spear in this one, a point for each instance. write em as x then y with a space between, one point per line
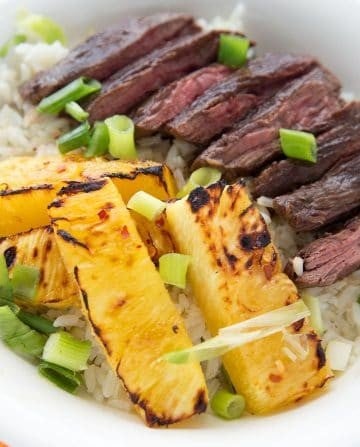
126 302
29 184
37 248
235 275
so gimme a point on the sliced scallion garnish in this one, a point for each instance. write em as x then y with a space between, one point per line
77 89
121 137
242 333
39 27
298 145
6 290
73 109
62 377
227 405
25 280
315 313
173 269
65 350
146 205
78 137
12 42
36 322
99 141
201 177
233 50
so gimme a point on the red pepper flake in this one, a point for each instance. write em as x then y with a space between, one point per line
160 222
275 378
103 215
124 232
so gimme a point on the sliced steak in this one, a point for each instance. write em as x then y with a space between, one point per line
329 258
342 140
104 53
128 87
172 99
222 105
320 203
302 103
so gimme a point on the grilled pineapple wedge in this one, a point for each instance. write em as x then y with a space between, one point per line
125 301
235 275
38 248
29 184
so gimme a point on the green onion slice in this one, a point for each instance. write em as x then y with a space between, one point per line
36 322
298 145
315 313
62 377
173 269
12 42
233 50
99 141
242 333
146 205
121 137
18 336
73 109
39 27
78 137
201 177
77 89
65 350
6 290
227 405
25 281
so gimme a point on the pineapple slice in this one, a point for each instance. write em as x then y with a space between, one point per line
29 184
38 248
235 275
126 302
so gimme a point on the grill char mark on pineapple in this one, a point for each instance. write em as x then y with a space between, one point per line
67 237
77 187
25 190
198 198
255 239
10 256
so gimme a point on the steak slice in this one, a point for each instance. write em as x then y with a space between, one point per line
172 99
302 104
330 258
315 205
342 140
227 102
104 53
128 87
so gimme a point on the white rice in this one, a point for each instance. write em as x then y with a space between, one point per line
23 132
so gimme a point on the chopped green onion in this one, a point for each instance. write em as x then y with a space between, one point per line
201 177
121 137
99 141
6 290
173 268
73 109
78 137
242 333
77 89
315 312
38 26
298 145
18 336
25 281
65 350
62 377
36 322
227 405
233 50
12 42
146 205
338 354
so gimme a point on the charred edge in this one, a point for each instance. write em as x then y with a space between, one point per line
175 328
157 171
255 240
231 259
320 353
26 190
198 198
67 237
152 419
56 204
200 402
83 292
10 256
298 325
78 187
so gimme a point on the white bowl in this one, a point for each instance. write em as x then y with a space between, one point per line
34 413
